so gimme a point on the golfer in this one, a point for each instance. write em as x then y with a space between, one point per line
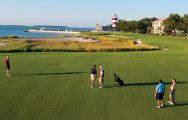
93 76
172 92
101 76
7 63
159 94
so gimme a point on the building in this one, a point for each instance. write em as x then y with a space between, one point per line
158 27
103 28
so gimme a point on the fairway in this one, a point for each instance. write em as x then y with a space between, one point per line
55 86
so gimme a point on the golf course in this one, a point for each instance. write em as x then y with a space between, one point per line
55 85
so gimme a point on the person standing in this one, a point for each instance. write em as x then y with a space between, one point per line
7 63
101 76
172 92
159 94
93 76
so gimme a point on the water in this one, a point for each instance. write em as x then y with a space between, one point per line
14 30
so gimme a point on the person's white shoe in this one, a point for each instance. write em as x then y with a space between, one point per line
100 87
171 103
162 106
158 107
91 86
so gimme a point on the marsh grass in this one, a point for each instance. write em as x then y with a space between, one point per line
105 44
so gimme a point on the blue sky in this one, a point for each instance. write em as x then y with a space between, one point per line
84 13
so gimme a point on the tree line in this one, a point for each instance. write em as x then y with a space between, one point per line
172 24
175 23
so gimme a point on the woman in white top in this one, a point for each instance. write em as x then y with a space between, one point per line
101 77
172 92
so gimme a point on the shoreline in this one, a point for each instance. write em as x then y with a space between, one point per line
63 36
66 36
54 32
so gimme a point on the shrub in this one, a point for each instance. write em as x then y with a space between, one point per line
11 37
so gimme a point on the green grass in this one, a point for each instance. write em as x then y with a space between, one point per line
54 86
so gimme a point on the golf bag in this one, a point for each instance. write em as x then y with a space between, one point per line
118 80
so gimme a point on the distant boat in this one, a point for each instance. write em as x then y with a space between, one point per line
26 30
42 28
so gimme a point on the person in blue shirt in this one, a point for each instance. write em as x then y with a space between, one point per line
159 94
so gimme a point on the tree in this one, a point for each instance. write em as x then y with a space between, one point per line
122 25
142 26
185 23
131 26
173 22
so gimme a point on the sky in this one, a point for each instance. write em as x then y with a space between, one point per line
84 13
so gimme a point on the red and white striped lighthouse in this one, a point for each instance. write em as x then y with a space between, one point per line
114 21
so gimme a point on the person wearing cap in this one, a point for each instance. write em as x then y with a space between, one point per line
159 94
93 75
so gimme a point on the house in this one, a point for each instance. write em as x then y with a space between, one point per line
158 27
103 28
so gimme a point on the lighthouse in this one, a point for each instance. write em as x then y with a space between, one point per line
114 22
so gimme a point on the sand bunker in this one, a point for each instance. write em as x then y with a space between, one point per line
3 44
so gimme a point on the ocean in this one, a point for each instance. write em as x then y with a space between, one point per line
18 30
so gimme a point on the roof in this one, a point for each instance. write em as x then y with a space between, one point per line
159 20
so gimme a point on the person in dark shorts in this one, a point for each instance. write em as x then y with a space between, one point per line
159 94
172 92
93 76
7 63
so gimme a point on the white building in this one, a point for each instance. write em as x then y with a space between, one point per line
158 27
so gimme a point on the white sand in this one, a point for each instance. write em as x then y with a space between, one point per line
68 36
55 32
3 44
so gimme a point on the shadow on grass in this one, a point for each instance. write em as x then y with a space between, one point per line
140 84
178 104
137 84
60 73
181 103
152 83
